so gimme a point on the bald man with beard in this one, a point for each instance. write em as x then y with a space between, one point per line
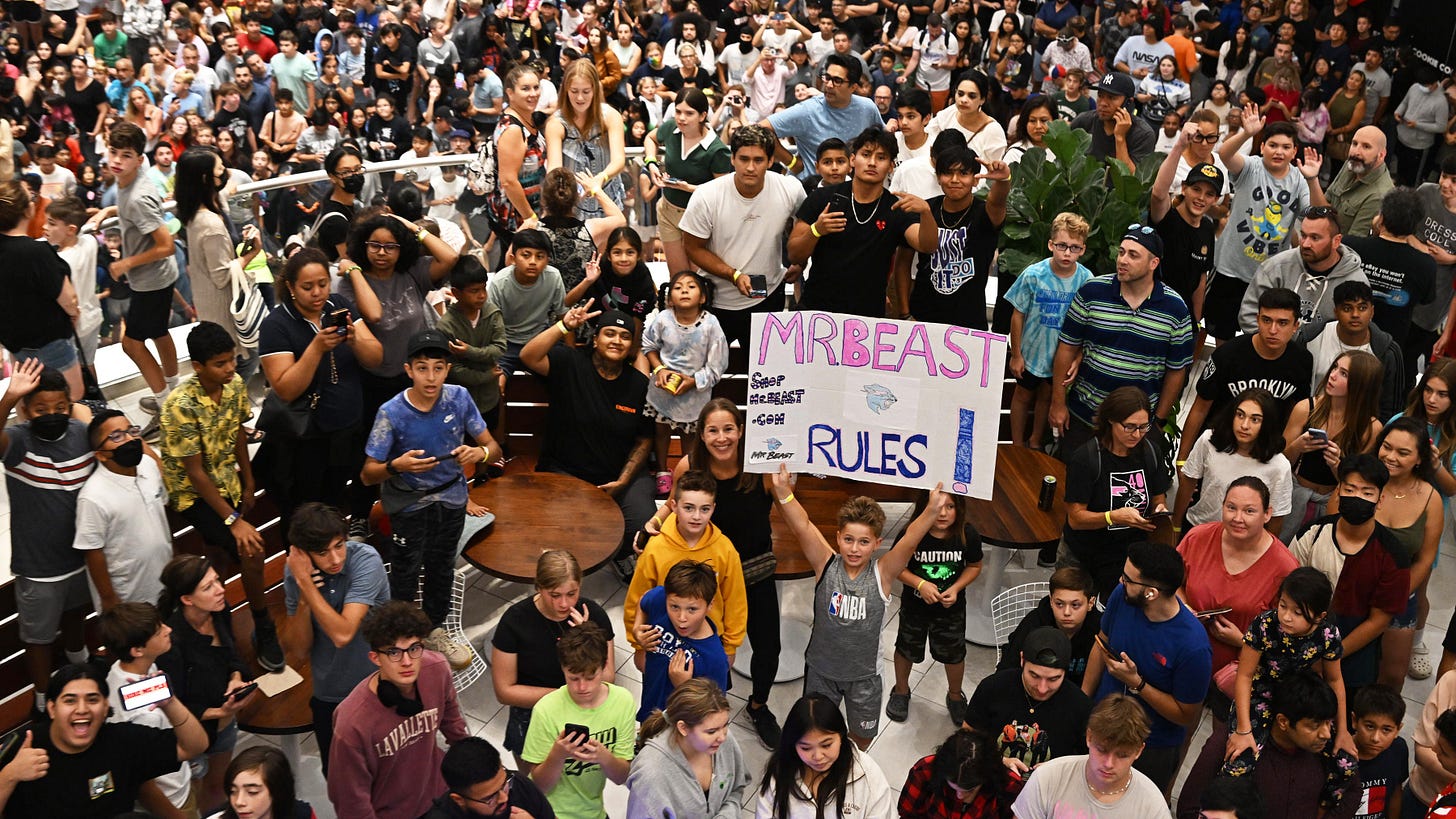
1356 192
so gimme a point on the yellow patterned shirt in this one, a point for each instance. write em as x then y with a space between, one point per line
192 423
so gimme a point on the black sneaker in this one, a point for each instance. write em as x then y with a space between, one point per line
1047 557
766 724
359 529
957 707
624 566
267 649
898 706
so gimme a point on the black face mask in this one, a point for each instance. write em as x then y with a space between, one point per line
51 426
1355 510
745 47
354 185
129 454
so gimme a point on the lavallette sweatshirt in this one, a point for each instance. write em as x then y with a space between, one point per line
387 766
729 610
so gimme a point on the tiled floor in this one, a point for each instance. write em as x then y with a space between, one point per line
898 745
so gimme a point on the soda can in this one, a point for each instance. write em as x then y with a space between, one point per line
1048 492
673 383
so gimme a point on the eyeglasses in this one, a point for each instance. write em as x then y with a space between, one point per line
383 247
830 79
1136 429
495 799
1063 247
1128 581
1319 212
1208 138
121 436
394 653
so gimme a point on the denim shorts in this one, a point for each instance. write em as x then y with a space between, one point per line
59 355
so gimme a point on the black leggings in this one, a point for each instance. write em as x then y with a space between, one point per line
763 633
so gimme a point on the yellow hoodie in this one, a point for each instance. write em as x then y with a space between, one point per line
729 610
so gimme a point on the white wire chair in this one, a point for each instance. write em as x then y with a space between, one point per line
1011 606
465 677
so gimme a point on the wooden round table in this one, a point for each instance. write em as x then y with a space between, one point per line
537 511
1011 519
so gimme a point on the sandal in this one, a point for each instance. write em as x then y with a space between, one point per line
254 436
1420 663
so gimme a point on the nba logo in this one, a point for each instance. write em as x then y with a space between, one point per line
836 603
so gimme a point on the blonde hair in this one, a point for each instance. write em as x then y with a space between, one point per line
583 69
690 703
1121 722
556 568
1071 224
184 75
865 510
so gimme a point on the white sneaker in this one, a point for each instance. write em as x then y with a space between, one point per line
459 655
149 404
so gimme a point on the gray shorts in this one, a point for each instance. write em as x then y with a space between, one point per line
862 698
41 603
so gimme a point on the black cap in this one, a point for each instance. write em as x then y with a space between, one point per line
1116 82
427 340
1204 172
1047 646
1145 236
615 318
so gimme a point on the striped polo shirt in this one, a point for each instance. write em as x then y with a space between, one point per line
1124 347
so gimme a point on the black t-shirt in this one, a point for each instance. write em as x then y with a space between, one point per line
1031 731
1237 366
676 82
332 231
1141 139
31 281
1040 616
1018 71
235 122
593 422
1187 253
101 781
338 386
395 60
1401 277
743 516
85 104
1105 482
525 632
950 283
393 136
1381 778
852 266
634 294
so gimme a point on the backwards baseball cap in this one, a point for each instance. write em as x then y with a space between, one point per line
615 318
1145 236
427 341
1204 172
1047 646
1116 82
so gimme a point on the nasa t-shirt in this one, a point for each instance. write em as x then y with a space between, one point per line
941 561
950 283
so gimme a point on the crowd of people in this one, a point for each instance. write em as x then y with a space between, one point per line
1302 219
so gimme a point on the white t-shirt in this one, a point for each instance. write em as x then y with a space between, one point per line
439 189
175 786
934 50
126 518
735 62
547 100
81 258
917 176
745 233
782 42
1326 347
818 47
59 182
1215 470
1058 789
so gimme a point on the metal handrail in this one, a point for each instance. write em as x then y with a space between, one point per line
310 177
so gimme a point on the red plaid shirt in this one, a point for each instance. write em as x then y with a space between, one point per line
919 801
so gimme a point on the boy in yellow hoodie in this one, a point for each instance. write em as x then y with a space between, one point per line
689 534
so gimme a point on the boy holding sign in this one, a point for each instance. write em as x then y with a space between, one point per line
851 590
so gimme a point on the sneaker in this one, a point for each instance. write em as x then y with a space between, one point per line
664 484
1047 557
898 708
152 432
459 655
766 725
359 529
267 649
149 405
957 707
625 566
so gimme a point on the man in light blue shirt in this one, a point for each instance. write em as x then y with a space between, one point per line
836 113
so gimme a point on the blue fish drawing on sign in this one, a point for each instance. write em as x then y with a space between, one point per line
878 398
773 444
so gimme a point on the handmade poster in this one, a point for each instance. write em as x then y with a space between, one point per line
897 402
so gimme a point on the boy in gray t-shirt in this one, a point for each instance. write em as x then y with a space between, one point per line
529 293
146 262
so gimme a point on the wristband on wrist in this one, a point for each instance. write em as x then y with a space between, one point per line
658 367
787 499
422 234
918 585
1107 516
814 229
561 325
484 453
737 274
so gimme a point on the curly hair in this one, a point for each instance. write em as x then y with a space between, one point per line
409 246
387 623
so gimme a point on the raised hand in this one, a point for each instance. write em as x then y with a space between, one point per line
830 220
